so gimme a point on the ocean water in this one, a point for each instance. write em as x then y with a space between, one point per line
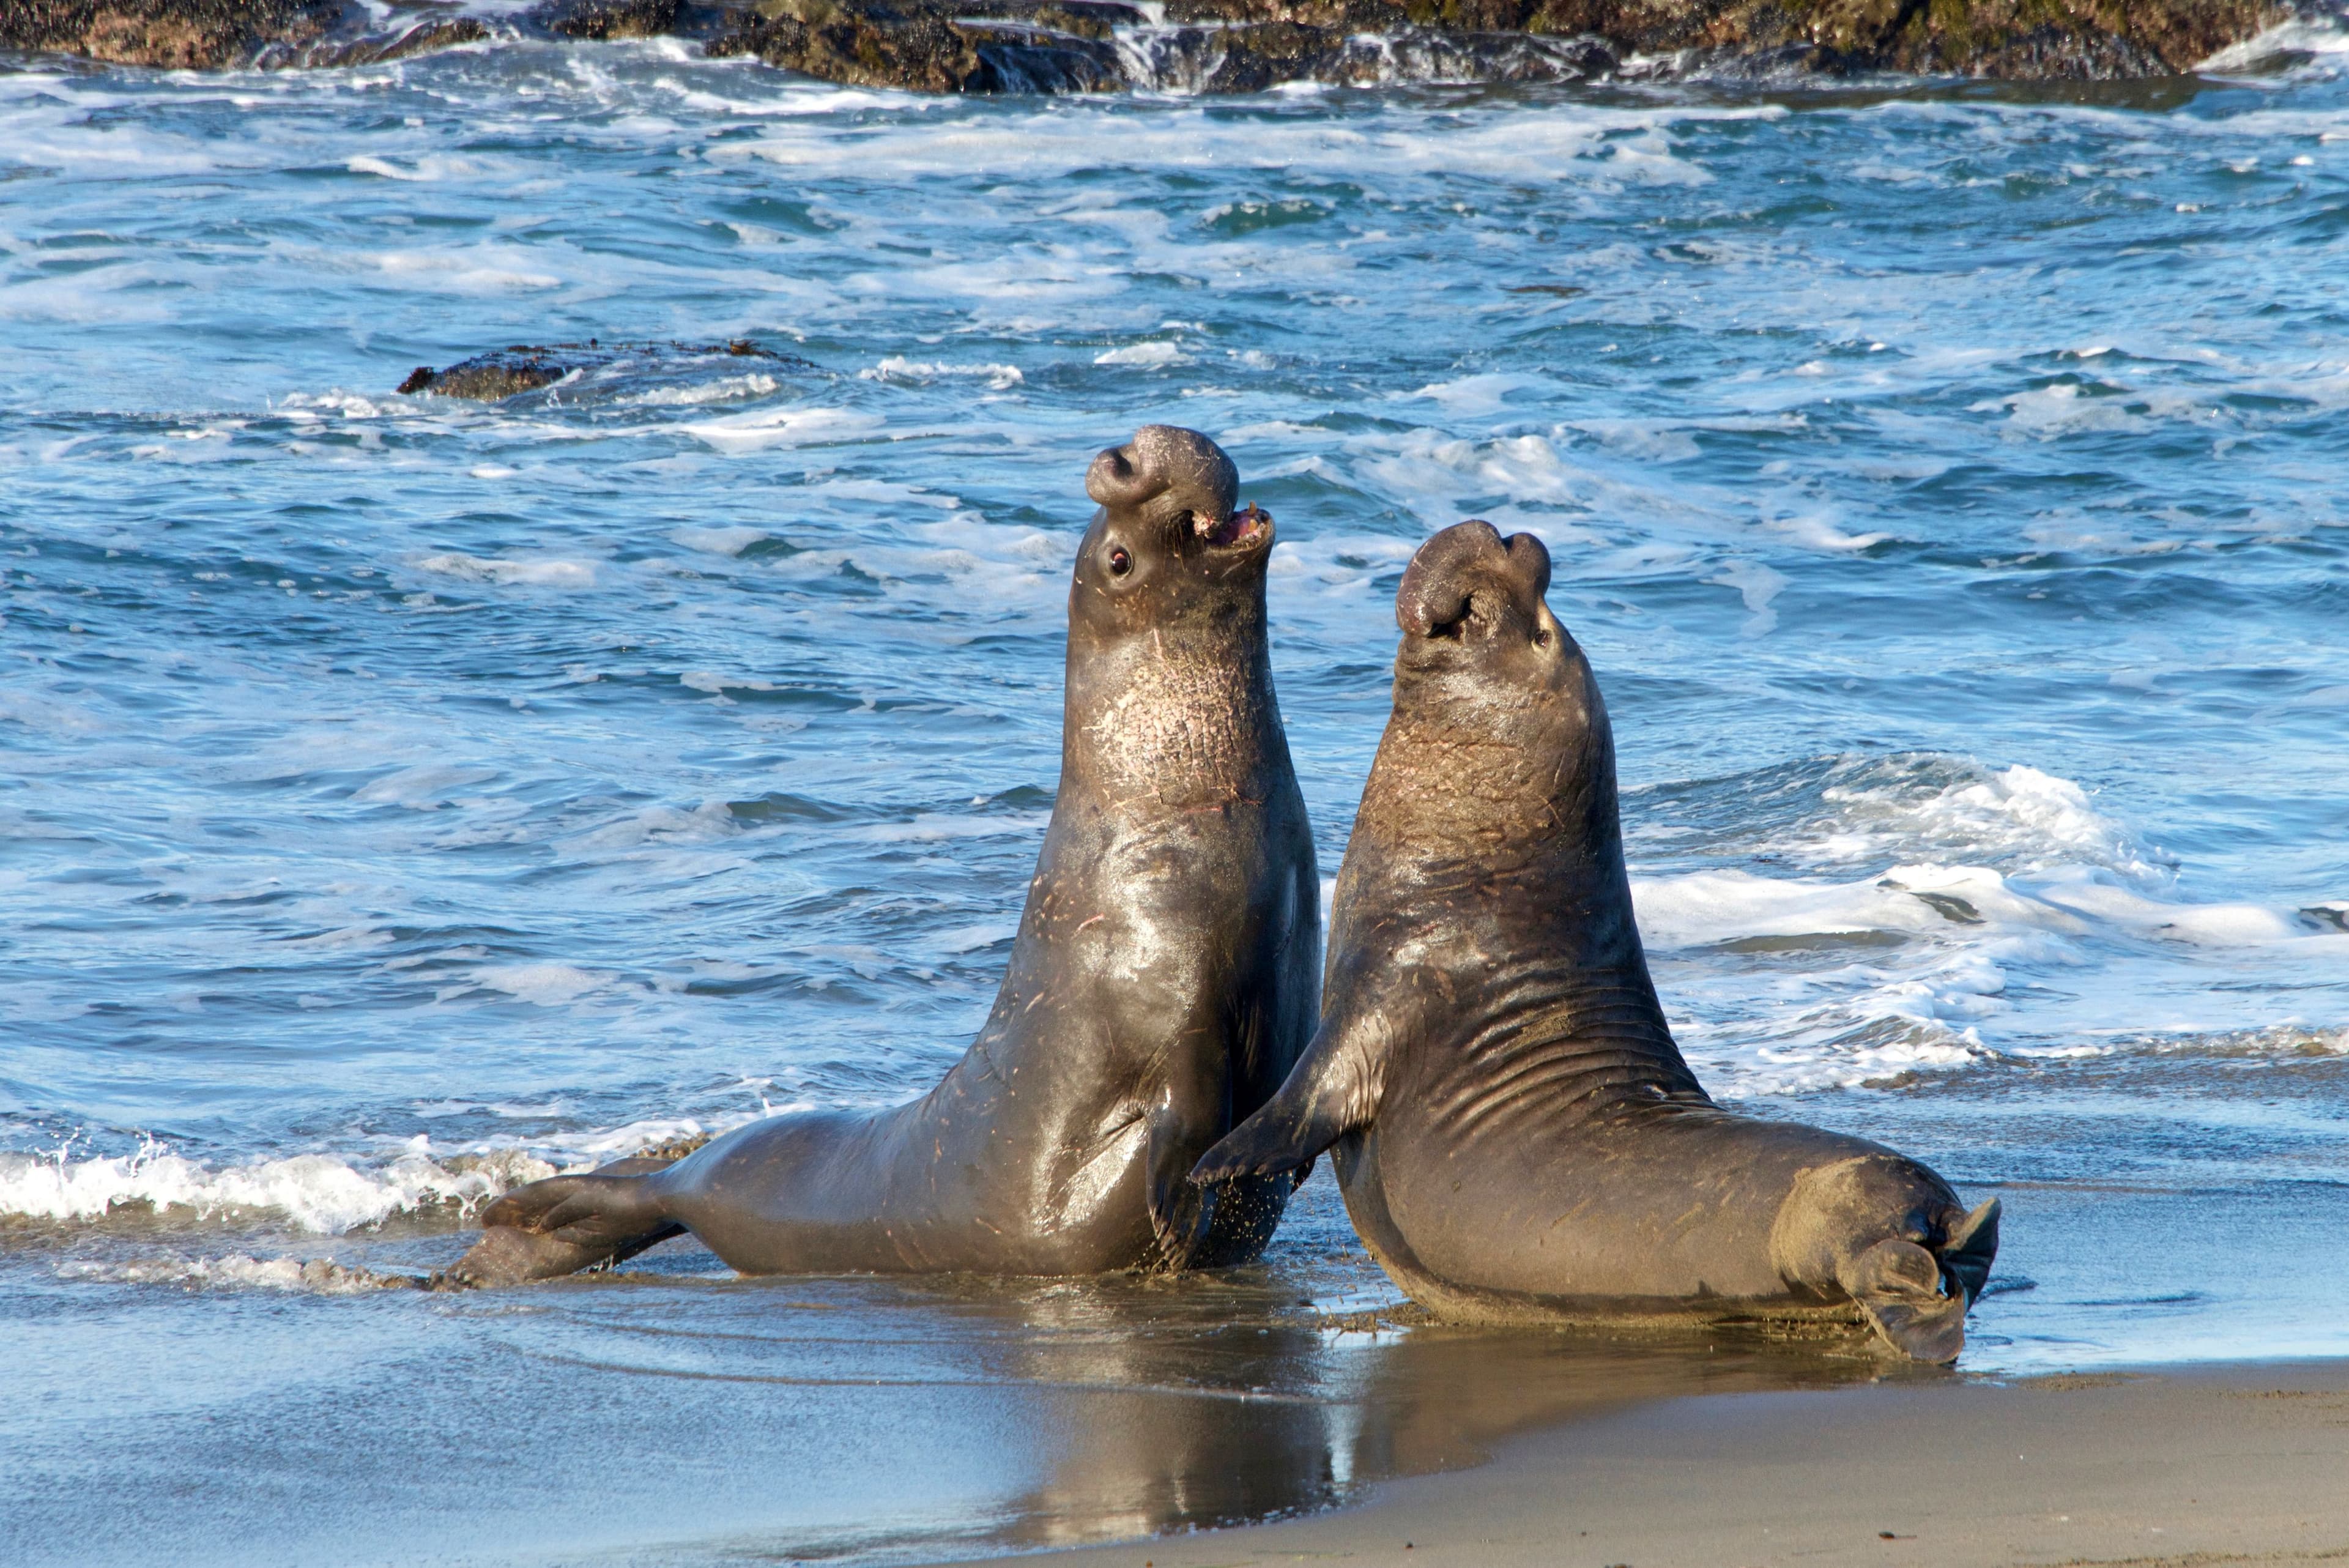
402 797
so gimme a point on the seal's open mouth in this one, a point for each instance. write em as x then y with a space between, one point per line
1248 526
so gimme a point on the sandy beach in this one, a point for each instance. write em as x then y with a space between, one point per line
2236 1463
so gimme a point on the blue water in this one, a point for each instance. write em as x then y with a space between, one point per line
400 797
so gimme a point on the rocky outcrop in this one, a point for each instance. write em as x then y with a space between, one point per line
1218 45
1243 46
606 18
2017 39
211 34
1007 46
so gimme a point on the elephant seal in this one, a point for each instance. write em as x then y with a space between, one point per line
1515 1133
1161 986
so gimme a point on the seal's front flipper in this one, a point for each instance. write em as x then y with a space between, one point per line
1898 1286
1967 1255
564 1224
1333 1089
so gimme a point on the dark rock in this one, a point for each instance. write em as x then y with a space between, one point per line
215 35
167 35
606 18
1222 46
526 367
937 46
340 48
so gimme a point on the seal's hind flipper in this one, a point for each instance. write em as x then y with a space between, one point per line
1898 1286
1967 1255
1181 1213
563 1224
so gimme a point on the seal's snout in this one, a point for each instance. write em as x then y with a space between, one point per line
1177 479
1466 568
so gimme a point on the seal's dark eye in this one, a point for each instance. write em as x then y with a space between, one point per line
1541 637
1119 562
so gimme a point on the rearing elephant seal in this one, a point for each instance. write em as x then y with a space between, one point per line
1160 987
1515 1133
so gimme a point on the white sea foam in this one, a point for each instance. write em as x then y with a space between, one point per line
932 828
1757 585
724 389
316 1192
326 1194
897 367
1602 148
314 1276
2315 36
424 787
556 573
1927 964
1155 352
545 984
785 428
719 540
432 167
2033 819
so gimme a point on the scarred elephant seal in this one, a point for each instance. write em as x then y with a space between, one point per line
1516 1136
1161 986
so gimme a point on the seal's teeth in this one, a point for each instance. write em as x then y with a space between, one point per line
1242 525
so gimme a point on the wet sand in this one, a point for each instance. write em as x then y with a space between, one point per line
2245 1462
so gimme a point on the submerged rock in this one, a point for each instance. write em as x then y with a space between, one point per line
526 367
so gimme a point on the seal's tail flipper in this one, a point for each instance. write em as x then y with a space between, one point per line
564 1224
1967 1255
1898 1286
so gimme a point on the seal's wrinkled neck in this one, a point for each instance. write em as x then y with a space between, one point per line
1506 838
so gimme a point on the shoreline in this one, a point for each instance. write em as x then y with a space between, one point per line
2215 1463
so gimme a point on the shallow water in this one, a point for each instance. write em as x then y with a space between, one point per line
403 796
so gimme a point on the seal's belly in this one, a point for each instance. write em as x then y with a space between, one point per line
1611 1220
848 1193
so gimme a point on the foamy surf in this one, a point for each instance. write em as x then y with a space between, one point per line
314 1192
311 1276
324 1194
2032 921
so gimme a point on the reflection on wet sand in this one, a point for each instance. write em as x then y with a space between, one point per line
1127 1407
673 1414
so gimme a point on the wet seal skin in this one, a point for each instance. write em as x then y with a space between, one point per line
1160 987
1515 1133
